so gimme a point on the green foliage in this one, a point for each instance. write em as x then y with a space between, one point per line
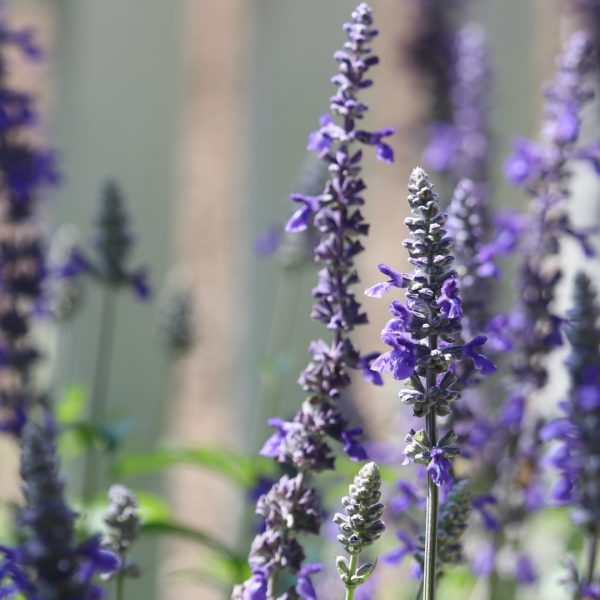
240 469
78 433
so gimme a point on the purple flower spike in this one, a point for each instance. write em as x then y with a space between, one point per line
292 506
26 171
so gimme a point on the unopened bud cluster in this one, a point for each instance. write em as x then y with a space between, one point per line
361 525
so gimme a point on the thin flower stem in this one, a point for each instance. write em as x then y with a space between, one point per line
353 565
431 516
272 585
100 386
419 590
120 594
592 555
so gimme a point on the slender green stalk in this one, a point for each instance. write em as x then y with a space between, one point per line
419 590
431 516
120 594
272 585
99 387
592 556
353 567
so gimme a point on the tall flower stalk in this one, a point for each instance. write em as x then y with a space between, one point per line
109 266
429 51
424 335
25 170
577 455
49 563
292 506
460 144
542 169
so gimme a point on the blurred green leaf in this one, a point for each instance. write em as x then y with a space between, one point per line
71 407
105 436
238 468
169 527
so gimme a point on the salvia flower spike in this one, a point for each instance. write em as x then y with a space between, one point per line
577 455
50 564
360 526
292 506
424 336
113 241
26 170
543 169
177 317
122 520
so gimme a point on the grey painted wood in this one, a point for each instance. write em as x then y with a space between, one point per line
117 96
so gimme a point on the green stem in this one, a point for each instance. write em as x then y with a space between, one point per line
592 555
419 590
272 585
353 567
120 595
100 387
431 515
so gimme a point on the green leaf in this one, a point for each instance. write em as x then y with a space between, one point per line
236 467
169 527
71 407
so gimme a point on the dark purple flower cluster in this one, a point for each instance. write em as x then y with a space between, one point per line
542 169
292 506
24 171
424 331
430 50
113 242
589 13
577 456
460 144
49 564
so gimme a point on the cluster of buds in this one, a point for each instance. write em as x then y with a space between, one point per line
361 525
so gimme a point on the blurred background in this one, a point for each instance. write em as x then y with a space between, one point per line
200 111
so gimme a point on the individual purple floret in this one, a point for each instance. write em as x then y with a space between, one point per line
292 506
424 336
25 171
577 455
49 563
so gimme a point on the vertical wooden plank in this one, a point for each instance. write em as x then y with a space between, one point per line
117 93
